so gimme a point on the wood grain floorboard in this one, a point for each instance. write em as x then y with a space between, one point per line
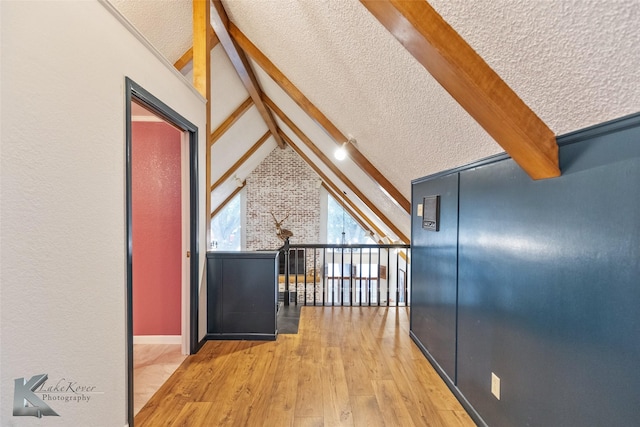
347 366
366 411
192 414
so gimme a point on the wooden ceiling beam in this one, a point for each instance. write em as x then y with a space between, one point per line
312 111
227 200
220 22
188 55
240 161
229 121
471 82
324 159
202 79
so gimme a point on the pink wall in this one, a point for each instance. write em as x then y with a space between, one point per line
157 229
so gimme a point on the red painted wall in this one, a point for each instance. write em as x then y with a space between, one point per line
157 229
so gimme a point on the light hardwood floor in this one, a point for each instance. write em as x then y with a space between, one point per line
346 367
153 364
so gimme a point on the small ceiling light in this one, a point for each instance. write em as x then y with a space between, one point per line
341 152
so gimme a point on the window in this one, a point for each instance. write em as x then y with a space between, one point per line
226 227
342 228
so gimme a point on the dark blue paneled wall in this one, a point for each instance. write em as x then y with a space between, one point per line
434 279
548 285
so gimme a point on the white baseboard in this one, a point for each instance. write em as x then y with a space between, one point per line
157 339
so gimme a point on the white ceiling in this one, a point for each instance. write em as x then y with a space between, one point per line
574 62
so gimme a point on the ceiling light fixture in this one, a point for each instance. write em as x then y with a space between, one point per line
341 152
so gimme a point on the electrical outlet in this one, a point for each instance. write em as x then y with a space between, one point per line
495 385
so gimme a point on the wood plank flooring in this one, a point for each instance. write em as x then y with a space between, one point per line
347 366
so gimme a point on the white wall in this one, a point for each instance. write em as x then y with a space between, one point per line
62 200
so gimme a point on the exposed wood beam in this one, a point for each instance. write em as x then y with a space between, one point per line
188 55
220 21
326 181
323 158
184 59
227 200
308 107
346 206
202 79
471 82
240 161
224 126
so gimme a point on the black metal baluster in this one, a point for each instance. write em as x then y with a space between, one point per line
360 298
315 274
369 279
406 279
286 272
324 275
397 278
378 279
333 280
305 269
351 279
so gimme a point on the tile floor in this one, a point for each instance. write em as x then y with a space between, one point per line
153 364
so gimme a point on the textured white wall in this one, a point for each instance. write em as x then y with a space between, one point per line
63 192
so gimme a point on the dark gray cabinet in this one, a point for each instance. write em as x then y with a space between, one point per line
242 296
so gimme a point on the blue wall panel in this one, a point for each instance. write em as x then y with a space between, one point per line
434 298
549 286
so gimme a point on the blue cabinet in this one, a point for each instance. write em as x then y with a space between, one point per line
242 298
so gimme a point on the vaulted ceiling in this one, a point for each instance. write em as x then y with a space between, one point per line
397 81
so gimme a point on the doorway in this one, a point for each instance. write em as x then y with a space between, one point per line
158 263
181 239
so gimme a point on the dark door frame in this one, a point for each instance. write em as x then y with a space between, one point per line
134 92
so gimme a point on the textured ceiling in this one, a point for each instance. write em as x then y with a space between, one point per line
370 87
321 140
167 24
574 62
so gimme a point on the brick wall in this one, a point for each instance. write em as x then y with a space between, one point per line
283 183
